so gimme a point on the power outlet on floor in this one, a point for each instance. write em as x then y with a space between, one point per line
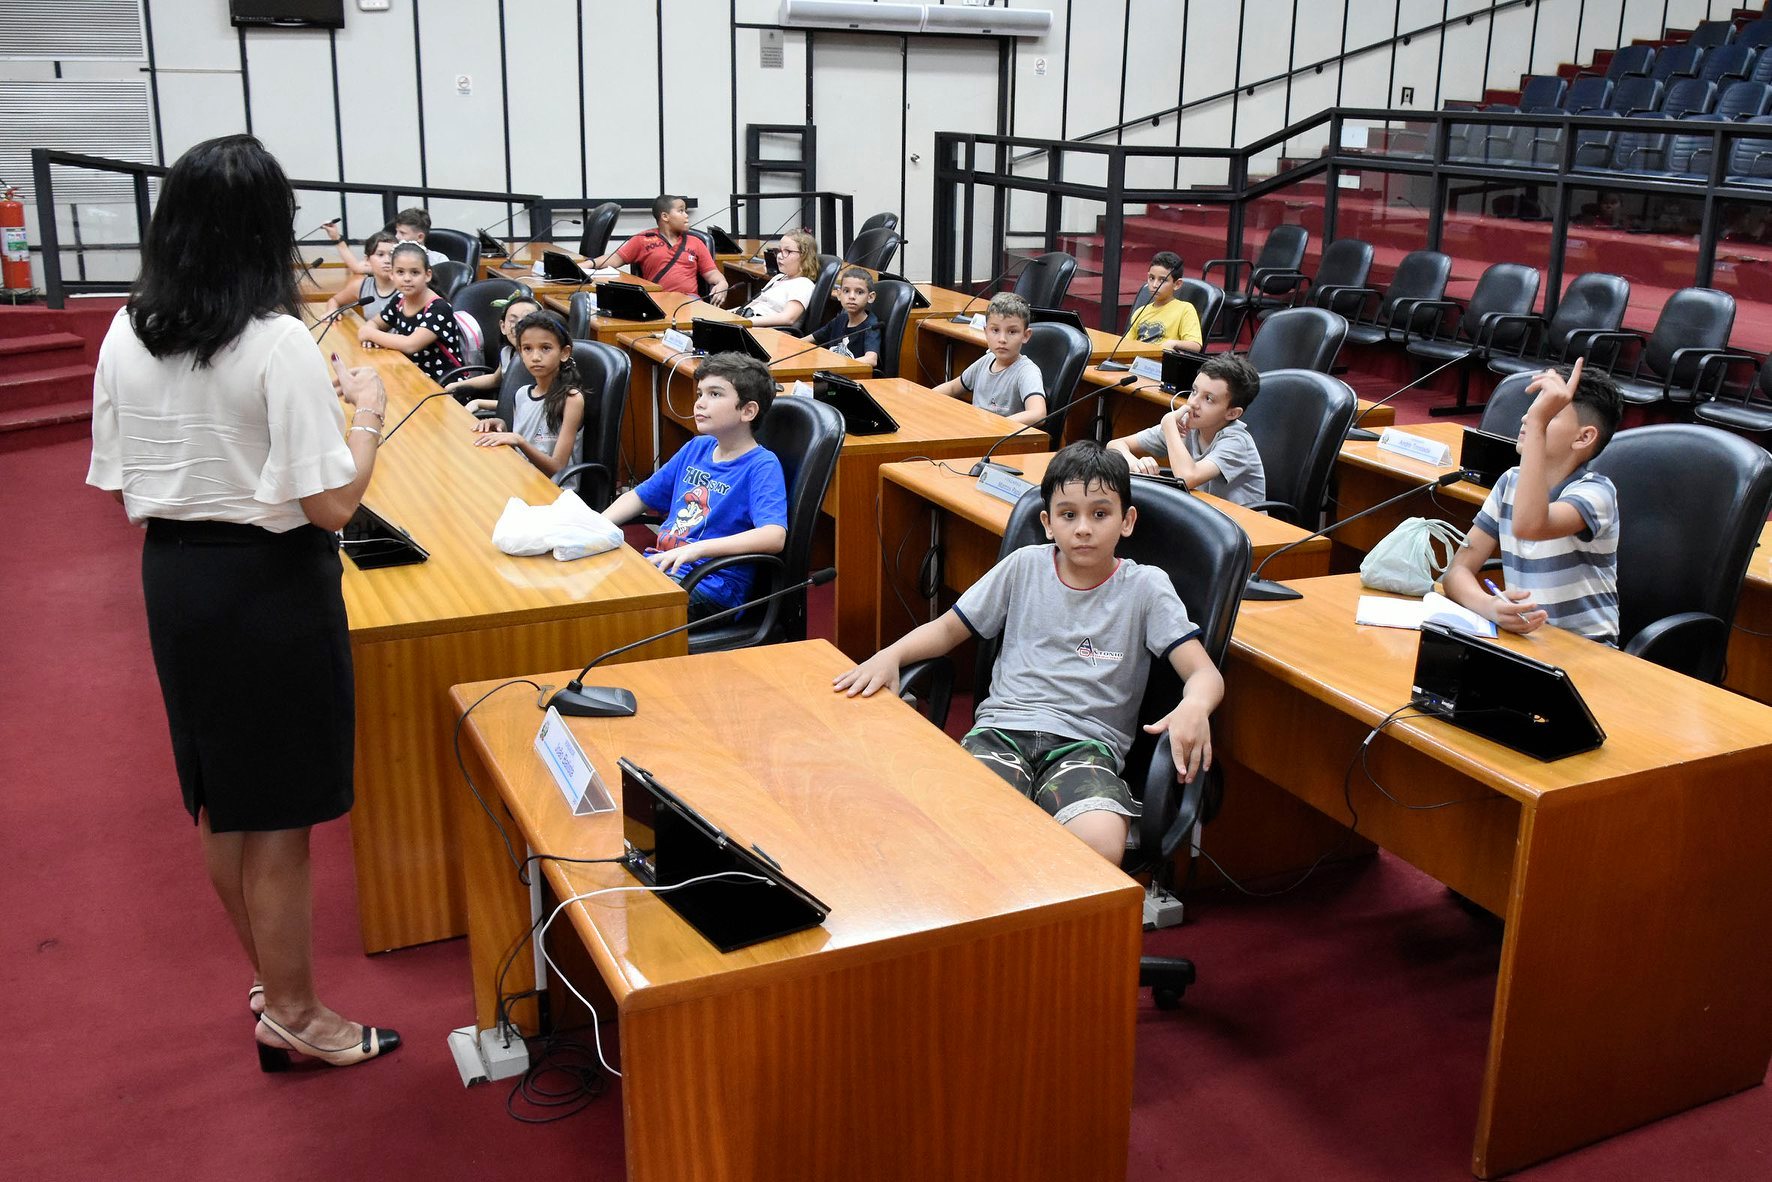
489 1057
1161 909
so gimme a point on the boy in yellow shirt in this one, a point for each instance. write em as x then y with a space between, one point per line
1163 317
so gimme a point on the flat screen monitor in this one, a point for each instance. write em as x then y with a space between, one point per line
287 14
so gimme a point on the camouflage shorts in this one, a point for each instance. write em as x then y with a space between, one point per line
1064 776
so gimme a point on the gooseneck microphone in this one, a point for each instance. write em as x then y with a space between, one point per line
491 245
410 413
1259 588
1355 431
331 318
961 317
1093 392
609 701
511 263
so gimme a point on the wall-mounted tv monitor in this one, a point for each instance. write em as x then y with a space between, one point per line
287 14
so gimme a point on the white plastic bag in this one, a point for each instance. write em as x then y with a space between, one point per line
1409 559
568 527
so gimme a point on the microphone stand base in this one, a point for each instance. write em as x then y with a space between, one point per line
1361 435
1260 590
978 468
595 701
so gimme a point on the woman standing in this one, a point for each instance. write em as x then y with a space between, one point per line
215 423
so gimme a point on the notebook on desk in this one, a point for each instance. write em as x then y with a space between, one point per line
665 843
1492 691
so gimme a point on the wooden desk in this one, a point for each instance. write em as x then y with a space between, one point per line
943 304
533 280
1364 476
942 506
679 310
1632 878
470 612
1143 404
1750 648
660 373
904 1038
941 332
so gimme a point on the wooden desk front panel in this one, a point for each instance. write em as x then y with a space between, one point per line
948 892
1632 970
1750 648
468 613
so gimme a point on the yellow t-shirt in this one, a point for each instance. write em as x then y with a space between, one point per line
1173 321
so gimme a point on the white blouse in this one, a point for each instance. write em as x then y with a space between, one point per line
241 440
781 291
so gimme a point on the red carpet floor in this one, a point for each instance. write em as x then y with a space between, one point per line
1337 1033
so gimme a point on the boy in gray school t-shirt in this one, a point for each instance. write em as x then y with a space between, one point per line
1240 478
1079 628
1005 392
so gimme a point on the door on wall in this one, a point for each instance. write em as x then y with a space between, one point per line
951 85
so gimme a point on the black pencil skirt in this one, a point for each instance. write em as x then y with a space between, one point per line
254 656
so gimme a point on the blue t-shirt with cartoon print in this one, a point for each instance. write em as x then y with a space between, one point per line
701 498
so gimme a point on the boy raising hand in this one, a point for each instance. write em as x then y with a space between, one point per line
1555 521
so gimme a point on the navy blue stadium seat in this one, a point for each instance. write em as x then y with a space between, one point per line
1640 151
1726 64
1755 33
1587 94
1636 94
1688 97
1750 159
1631 60
1743 100
1712 33
1677 61
1542 90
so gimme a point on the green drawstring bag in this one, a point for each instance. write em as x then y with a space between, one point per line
1412 557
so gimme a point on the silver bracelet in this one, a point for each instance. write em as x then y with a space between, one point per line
371 430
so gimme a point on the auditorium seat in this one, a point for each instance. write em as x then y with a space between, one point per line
1743 100
1688 97
1631 61
1484 322
1755 33
1543 90
1711 34
1584 94
1666 365
1750 411
1750 159
1634 94
1726 64
1420 277
1592 303
1675 62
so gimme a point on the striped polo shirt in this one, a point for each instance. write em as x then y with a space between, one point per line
1574 578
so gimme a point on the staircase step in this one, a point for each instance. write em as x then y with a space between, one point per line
56 422
22 354
47 386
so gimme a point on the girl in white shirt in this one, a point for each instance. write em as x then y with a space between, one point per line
782 302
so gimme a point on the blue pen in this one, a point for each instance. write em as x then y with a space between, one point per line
1493 589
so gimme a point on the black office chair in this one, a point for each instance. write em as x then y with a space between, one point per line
1751 411
604 370
1274 274
1507 405
1692 501
449 278
1044 281
1062 353
579 311
1592 303
1345 267
1208 302
599 225
1420 278
873 249
1694 325
1206 556
806 437
1298 422
1298 338
476 300
702 286
878 221
818 305
458 245
1504 290
892 308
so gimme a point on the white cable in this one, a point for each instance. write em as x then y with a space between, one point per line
542 942
672 364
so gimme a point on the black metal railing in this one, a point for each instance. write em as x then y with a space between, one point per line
1562 154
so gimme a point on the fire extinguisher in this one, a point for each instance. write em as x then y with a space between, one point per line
16 275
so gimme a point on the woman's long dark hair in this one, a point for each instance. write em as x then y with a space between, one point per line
219 253
567 380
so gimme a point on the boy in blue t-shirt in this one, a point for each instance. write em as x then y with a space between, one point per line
721 493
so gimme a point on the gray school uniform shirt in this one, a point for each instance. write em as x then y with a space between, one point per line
531 423
1075 660
1241 478
1003 393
